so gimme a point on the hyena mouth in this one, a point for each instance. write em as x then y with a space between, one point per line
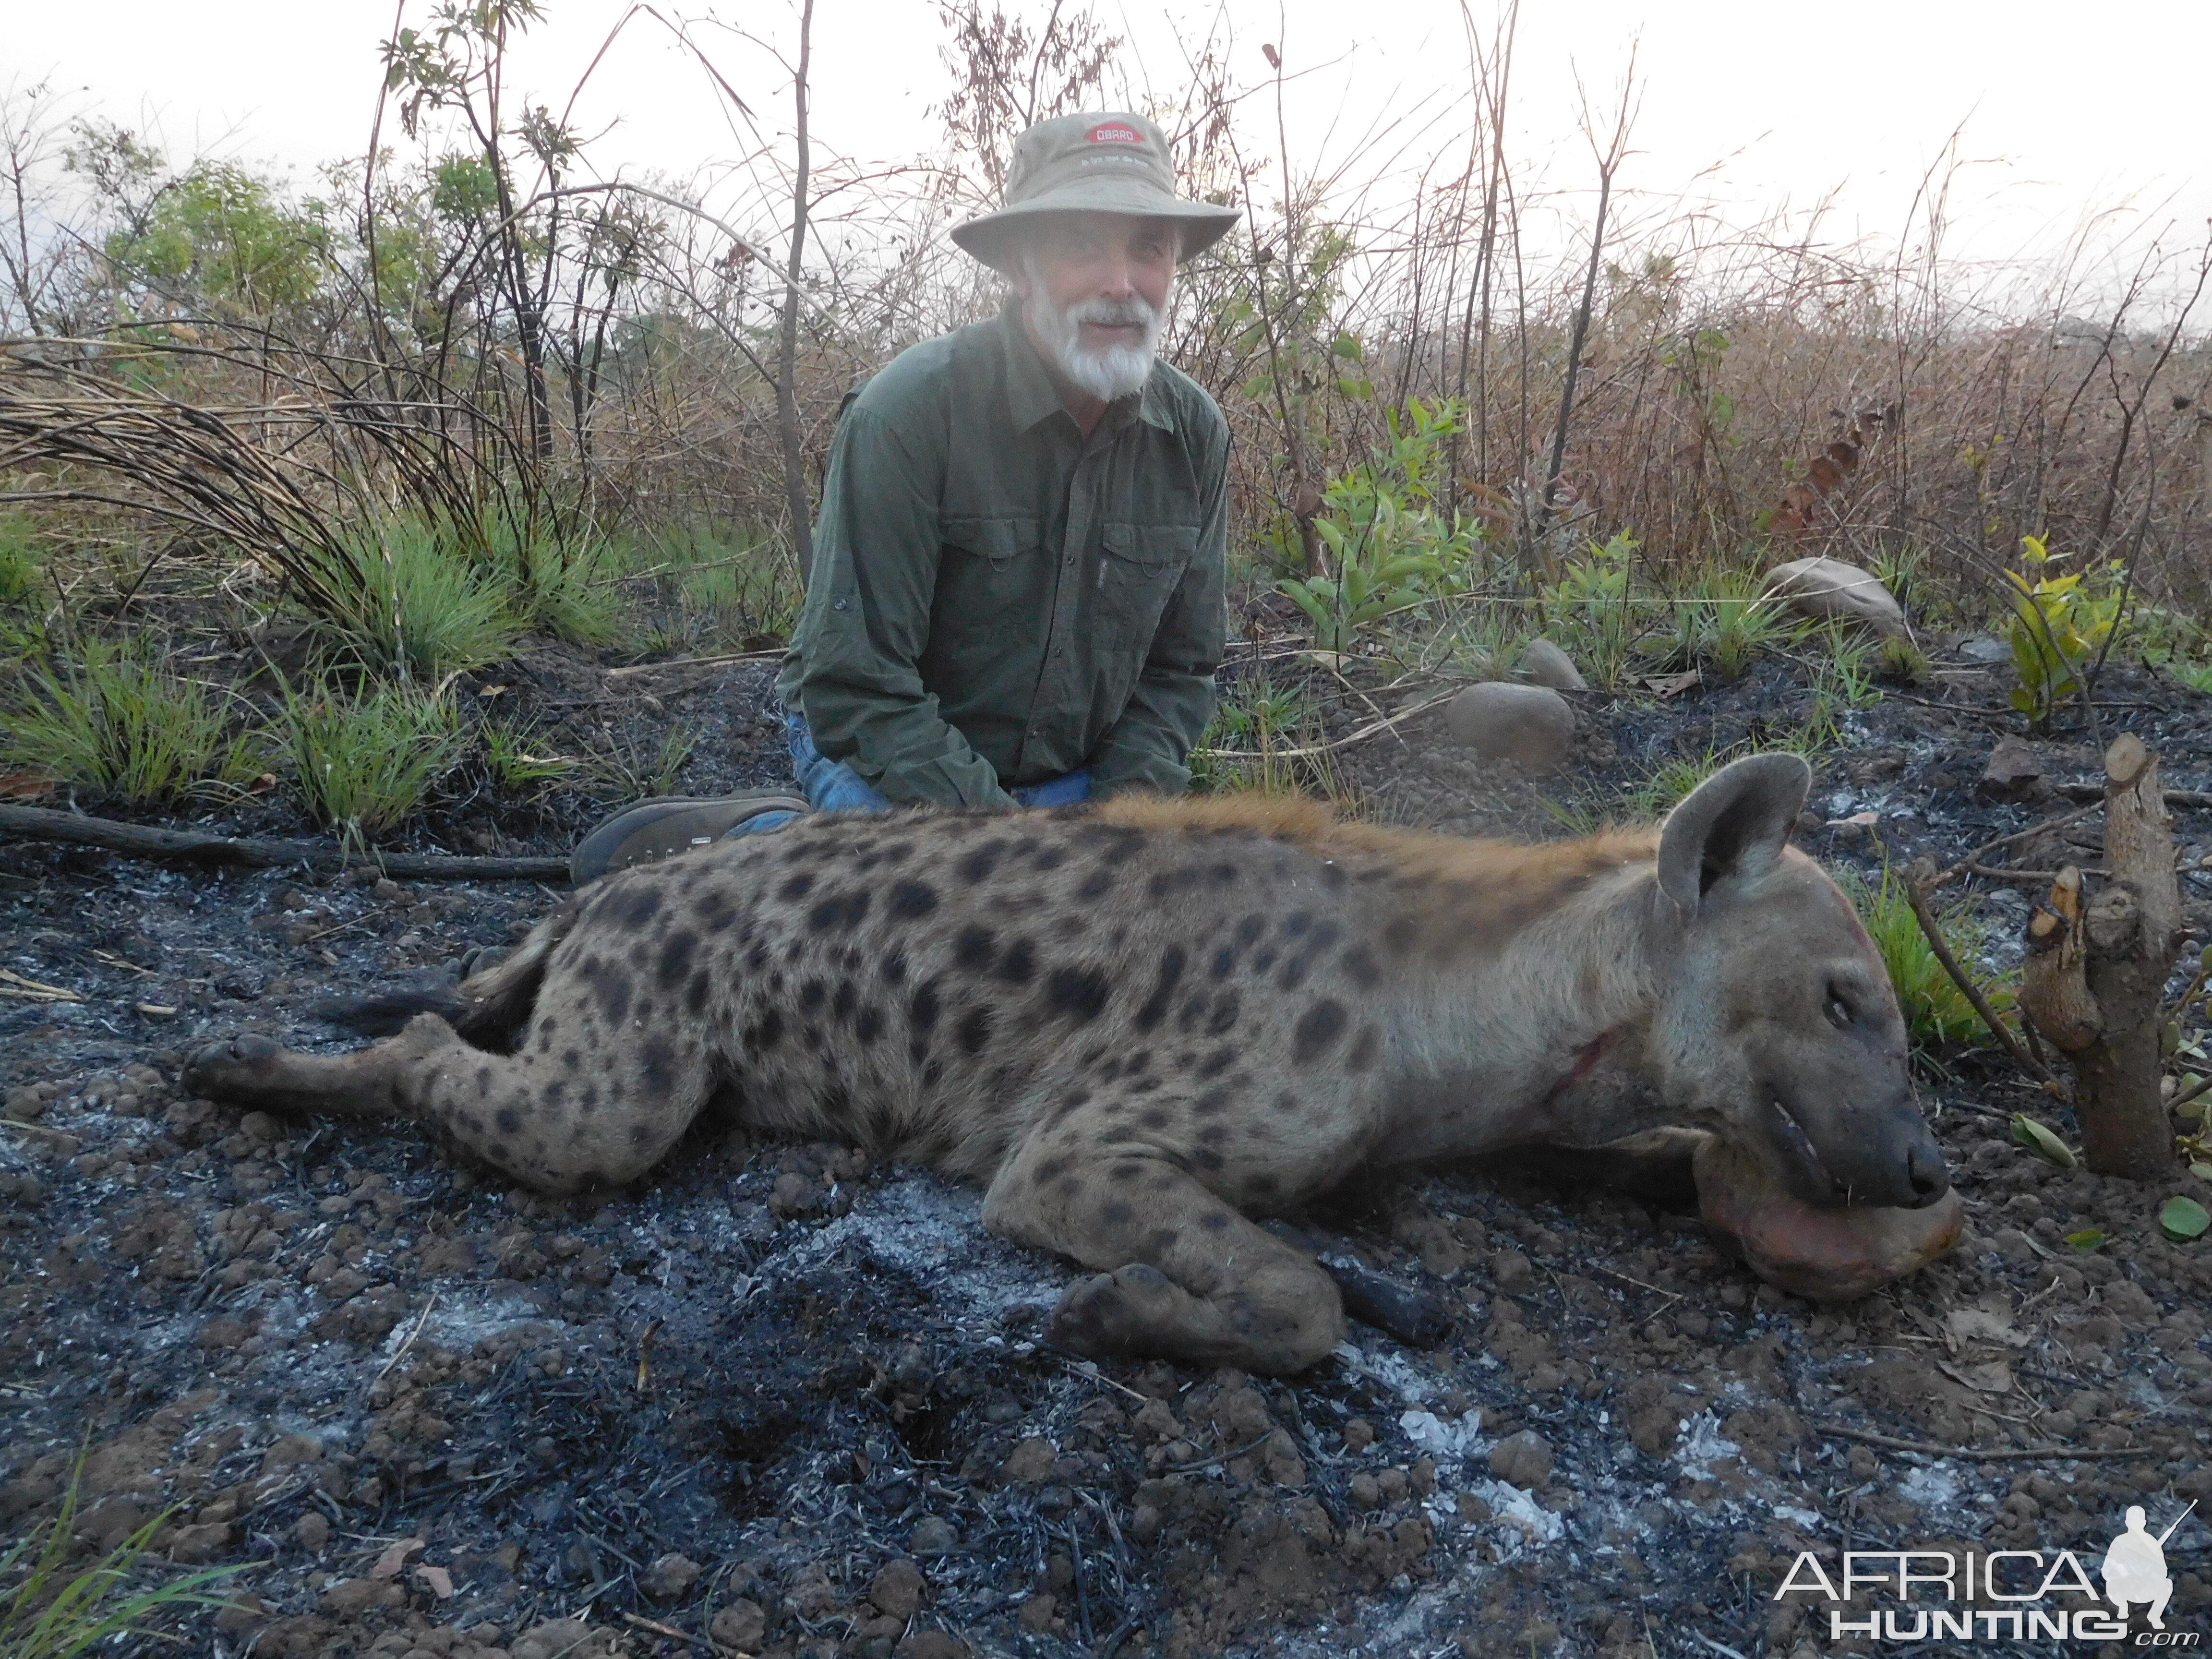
1798 1144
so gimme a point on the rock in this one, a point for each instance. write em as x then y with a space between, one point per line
1510 1270
1823 1255
925 1644
1822 588
1984 649
2013 772
1280 1462
1544 663
670 1578
313 1531
896 1588
350 1597
742 1625
1531 725
1652 1430
932 1535
197 1545
1030 1461
1035 1615
1522 1460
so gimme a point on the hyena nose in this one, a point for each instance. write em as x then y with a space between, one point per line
1926 1171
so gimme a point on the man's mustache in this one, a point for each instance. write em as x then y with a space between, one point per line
1132 312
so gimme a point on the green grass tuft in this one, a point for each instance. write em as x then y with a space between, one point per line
120 726
411 603
365 764
45 1615
20 570
1935 1009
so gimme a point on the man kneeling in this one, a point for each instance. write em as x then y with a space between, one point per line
1017 595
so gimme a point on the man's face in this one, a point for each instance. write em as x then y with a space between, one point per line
1094 288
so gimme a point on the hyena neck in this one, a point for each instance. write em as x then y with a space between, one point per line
1545 1026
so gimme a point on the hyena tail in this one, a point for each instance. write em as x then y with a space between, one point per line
487 1009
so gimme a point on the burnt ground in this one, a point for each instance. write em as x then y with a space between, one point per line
777 1401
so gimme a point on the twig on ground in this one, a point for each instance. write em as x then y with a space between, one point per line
1917 881
2095 792
1975 1453
693 662
673 1634
143 841
401 1352
1965 864
1225 1457
1309 751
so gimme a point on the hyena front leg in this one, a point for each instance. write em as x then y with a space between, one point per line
1189 1278
549 1124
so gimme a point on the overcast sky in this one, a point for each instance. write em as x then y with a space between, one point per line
2067 109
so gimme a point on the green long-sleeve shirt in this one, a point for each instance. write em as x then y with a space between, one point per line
996 600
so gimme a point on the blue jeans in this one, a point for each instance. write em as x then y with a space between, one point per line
833 787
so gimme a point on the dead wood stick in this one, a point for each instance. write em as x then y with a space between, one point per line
1974 1454
1311 750
2095 792
721 661
1966 865
197 847
1916 895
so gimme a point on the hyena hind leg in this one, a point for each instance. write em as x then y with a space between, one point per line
258 1073
557 1134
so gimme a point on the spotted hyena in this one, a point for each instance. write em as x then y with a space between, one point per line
1141 1025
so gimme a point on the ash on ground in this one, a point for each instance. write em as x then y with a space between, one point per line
776 1401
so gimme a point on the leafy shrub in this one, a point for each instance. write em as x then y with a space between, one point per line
1390 546
410 601
1591 613
365 764
119 724
2060 625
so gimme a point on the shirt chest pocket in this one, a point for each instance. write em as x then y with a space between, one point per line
1139 572
995 545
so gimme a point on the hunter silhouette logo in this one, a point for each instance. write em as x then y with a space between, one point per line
2134 1567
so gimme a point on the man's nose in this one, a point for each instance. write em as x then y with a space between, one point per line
1115 272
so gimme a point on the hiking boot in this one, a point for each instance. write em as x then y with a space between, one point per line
664 827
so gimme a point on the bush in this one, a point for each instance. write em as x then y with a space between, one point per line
120 726
366 765
410 602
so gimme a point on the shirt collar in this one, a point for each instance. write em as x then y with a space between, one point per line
1031 396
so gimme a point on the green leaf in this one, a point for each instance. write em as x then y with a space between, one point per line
2088 1240
1348 349
2202 1171
2041 1140
2184 1218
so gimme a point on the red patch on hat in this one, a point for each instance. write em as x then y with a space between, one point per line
1113 133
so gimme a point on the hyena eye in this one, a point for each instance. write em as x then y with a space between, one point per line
1838 1011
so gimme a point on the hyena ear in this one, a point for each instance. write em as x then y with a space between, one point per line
1733 824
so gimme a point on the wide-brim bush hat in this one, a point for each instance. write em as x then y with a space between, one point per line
1109 163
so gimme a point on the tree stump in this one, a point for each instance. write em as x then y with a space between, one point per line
2094 980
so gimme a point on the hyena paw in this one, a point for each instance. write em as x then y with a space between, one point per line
1128 1310
233 1070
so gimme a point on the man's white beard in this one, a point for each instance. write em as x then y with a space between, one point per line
1110 372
